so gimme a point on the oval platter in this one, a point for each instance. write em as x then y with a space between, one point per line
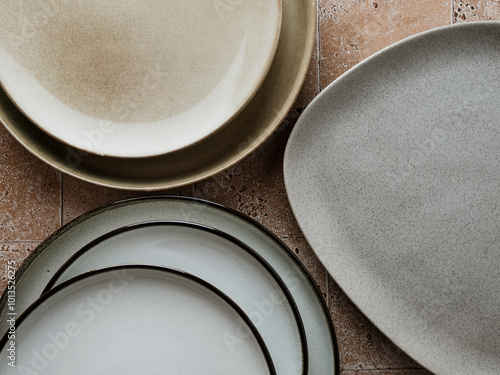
393 173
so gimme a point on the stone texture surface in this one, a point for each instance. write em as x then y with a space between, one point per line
475 10
363 346
351 30
305 253
30 194
387 372
12 253
80 197
311 84
255 186
34 201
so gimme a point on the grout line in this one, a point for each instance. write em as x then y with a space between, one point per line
452 10
318 42
379 370
62 201
328 291
292 237
19 242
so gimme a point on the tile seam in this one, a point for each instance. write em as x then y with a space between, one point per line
318 42
398 371
452 11
61 203
380 370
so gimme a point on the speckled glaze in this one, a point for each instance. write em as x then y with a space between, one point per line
242 135
132 79
395 183
43 262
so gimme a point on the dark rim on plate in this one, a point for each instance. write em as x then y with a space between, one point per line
166 270
136 200
206 229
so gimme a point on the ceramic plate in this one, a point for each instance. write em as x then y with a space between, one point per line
230 144
132 320
43 262
217 258
394 176
130 79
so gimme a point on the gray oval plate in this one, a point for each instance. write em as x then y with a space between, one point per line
44 261
393 173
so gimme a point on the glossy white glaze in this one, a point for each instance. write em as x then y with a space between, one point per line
134 321
218 261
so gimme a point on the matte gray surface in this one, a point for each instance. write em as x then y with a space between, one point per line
393 173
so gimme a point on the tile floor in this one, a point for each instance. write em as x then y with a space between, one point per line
35 200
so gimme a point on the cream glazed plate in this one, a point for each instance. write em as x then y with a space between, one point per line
130 79
133 320
220 260
223 148
393 173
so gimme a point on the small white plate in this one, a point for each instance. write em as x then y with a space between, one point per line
217 258
134 320
135 79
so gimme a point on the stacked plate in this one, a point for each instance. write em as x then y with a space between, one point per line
166 285
152 95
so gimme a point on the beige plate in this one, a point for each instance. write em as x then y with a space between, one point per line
135 79
215 153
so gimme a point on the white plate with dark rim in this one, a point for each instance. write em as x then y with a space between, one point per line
46 259
393 173
217 258
132 320
129 79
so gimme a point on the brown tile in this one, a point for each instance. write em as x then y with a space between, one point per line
362 345
307 256
12 252
479 10
387 372
311 84
255 186
330 56
351 30
30 194
80 197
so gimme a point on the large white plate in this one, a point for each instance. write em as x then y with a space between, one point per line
44 261
130 79
132 320
220 260
393 173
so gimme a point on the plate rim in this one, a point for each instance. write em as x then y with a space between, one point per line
165 270
490 24
50 151
205 229
212 205
395 45
260 77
